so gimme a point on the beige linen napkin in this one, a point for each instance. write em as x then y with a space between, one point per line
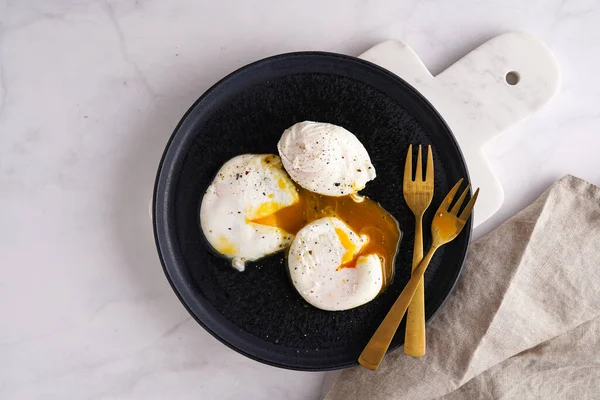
522 322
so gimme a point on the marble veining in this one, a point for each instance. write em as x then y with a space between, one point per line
90 91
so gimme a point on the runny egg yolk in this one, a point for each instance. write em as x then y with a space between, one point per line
224 246
350 247
366 218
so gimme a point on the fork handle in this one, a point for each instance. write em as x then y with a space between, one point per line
414 339
373 353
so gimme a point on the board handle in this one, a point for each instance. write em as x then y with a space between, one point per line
495 86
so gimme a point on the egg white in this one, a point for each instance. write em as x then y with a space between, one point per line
246 188
325 158
314 259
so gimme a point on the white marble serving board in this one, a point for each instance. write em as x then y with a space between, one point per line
475 98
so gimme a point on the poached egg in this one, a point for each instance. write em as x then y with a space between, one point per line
325 158
247 188
342 249
329 268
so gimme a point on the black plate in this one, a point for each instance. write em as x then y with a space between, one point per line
257 312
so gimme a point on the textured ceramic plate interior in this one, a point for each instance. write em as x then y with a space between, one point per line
257 312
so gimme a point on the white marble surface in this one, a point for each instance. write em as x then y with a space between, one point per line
89 93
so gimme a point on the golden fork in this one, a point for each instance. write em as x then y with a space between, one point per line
418 195
445 227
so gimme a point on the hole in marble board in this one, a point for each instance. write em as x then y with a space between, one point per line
512 78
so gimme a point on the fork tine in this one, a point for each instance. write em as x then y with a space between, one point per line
448 200
460 201
429 170
408 166
464 215
419 173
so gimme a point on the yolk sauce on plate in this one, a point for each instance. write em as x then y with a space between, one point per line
366 218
